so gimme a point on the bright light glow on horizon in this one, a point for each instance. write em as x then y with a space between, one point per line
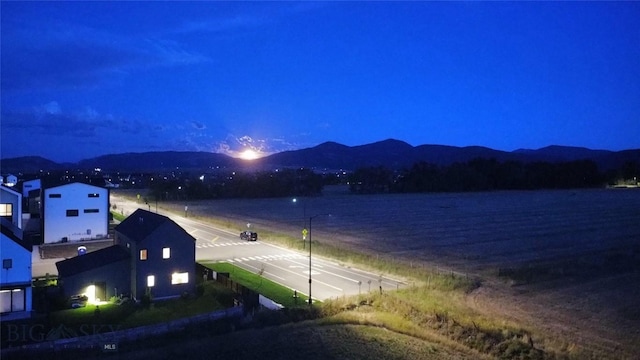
249 154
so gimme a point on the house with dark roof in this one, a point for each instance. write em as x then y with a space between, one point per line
152 255
162 255
15 280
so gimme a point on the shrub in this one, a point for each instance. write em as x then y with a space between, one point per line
146 300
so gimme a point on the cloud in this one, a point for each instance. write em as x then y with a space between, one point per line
234 145
56 54
51 108
220 25
51 119
198 125
170 53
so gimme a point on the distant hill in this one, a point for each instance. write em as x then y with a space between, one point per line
390 153
29 164
160 161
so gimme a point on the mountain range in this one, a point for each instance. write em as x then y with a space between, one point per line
392 154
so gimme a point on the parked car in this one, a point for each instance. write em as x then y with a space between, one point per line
249 235
78 301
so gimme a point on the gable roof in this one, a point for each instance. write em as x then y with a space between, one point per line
10 190
48 187
92 260
14 233
142 223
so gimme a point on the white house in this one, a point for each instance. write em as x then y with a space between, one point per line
11 180
74 212
30 185
15 280
11 206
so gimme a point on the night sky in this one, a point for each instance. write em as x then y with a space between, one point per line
83 79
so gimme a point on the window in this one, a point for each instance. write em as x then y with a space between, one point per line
57 196
179 278
93 195
143 254
6 209
7 263
5 301
72 212
12 300
151 281
91 211
166 253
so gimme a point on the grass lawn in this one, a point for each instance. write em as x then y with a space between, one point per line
278 293
130 315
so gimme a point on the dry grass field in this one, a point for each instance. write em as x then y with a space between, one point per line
565 262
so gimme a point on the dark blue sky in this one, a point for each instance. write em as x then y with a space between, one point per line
81 79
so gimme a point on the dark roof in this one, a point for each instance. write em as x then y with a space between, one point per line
142 223
14 233
92 260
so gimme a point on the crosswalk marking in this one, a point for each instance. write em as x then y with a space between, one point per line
267 258
210 245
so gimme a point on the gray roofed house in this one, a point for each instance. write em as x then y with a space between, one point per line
152 255
162 255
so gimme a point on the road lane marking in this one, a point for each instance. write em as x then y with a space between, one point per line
333 274
296 273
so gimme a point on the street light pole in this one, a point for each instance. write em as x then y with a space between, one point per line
311 218
304 219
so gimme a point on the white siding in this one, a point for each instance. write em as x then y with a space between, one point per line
18 276
76 212
29 186
8 196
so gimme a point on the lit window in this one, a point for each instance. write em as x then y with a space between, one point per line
166 253
6 209
143 254
72 212
93 195
180 278
151 281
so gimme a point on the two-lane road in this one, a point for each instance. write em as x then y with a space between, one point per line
289 268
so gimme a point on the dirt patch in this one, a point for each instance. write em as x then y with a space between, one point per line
600 316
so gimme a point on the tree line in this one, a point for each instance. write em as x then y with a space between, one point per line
482 174
479 174
262 184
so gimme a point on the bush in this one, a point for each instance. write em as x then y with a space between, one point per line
146 301
200 290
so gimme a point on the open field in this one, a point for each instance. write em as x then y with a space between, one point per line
564 262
